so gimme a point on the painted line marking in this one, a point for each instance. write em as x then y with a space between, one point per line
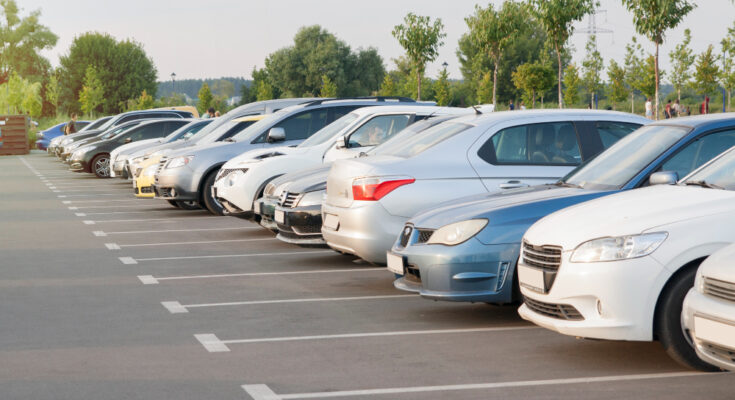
211 342
148 279
88 222
316 271
136 206
236 255
174 307
285 301
184 230
155 219
127 260
99 233
80 214
112 246
262 392
73 208
61 196
52 187
104 201
199 242
66 202
56 191
97 194
136 212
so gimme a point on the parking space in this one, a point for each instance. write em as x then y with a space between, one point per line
133 298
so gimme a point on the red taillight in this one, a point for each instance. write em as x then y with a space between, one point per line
373 189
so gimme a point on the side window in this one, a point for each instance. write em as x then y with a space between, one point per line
610 132
378 130
144 132
339 112
129 118
171 126
537 144
301 126
699 152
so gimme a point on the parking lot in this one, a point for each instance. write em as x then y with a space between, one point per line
105 296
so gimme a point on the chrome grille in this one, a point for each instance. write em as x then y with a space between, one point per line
720 289
224 172
718 352
558 311
547 258
406 235
424 235
160 168
289 199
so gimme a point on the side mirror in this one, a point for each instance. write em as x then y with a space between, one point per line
128 140
276 135
663 178
342 142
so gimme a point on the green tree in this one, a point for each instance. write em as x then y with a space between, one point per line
557 17
265 91
329 88
52 92
21 41
727 73
706 72
32 103
493 30
93 93
205 99
571 85
485 89
617 91
533 78
223 88
421 40
652 18
442 89
145 101
593 66
634 69
682 60
388 88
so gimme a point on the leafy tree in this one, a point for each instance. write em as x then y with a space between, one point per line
652 19
329 88
617 90
493 30
265 91
52 92
223 88
706 72
557 18
174 99
533 78
205 99
145 101
22 39
388 88
93 93
485 89
681 63
571 85
32 102
441 88
421 39
593 66
727 73
634 69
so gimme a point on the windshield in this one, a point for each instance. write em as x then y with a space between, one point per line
617 165
257 127
400 138
116 131
186 131
720 174
416 144
329 131
95 124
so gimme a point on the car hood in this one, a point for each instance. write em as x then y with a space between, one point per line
212 153
719 265
297 177
258 155
629 212
130 148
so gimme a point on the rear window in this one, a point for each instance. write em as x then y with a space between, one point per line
431 137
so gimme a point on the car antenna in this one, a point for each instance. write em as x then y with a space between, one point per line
477 111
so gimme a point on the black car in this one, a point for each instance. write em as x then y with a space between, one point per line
94 157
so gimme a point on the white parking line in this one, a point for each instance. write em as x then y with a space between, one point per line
151 280
116 206
92 195
154 219
130 212
104 201
221 345
291 253
127 260
80 214
198 242
175 307
175 230
263 392
112 246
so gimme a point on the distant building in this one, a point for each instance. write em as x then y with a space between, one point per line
233 100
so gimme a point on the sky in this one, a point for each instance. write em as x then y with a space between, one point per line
215 38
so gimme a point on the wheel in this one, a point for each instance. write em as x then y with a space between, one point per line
210 202
671 331
188 205
101 165
173 203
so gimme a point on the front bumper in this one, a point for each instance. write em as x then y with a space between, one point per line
78 165
176 184
616 300
265 207
470 271
119 169
716 352
235 194
365 229
301 226
143 187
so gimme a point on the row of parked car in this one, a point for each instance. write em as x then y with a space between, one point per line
602 224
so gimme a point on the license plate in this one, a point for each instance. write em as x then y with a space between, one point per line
714 332
531 278
279 216
331 221
395 263
256 207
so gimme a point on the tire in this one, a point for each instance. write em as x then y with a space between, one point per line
210 202
187 205
100 165
671 332
173 203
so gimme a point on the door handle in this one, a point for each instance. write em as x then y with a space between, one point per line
512 184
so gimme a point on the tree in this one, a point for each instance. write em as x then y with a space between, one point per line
533 78
727 73
617 90
441 88
706 72
681 63
205 99
652 18
21 43
633 69
493 30
388 88
329 88
571 85
265 91
421 39
145 101
32 103
93 93
52 92
485 89
223 88
593 66
557 17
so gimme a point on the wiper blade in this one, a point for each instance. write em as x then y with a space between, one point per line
567 184
229 139
704 184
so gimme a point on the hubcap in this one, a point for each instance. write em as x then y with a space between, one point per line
102 167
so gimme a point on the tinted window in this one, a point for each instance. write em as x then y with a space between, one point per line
148 131
416 144
537 144
611 132
720 173
302 125
378 130
237 128
699 152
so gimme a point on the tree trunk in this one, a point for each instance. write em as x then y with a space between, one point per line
729 99
533 98
632 105
558 75
495 80
678 95
418 84
655 67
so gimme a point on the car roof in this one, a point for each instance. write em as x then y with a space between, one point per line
250 118
350 101
700 121
156 120
520 115
420 109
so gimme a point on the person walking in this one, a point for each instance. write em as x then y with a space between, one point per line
676 108
649 108
522 106
511 106
704 107
71 126
667 110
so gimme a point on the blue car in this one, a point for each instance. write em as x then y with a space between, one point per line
467 250
43 138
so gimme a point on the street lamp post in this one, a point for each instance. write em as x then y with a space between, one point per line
173 83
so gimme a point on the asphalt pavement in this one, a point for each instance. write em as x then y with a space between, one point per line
105 296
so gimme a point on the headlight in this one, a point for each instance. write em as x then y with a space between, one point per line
457 232
150 170
618 248
121 157
269 189
233 176
39 135
178 162
65 141
77 155
311 198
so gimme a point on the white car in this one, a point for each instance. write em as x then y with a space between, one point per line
370 199
709 309
242 179
619 267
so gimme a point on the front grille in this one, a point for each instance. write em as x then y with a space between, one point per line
424 235
720 289
406 235
289 200
558 311
547 258
718 352
224 172
160 168
413 274
146 189
307 229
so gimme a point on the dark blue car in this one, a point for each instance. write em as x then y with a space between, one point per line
44 137
486 230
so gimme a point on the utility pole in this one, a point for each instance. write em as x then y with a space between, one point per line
593 30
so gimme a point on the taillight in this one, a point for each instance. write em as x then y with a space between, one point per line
373 189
